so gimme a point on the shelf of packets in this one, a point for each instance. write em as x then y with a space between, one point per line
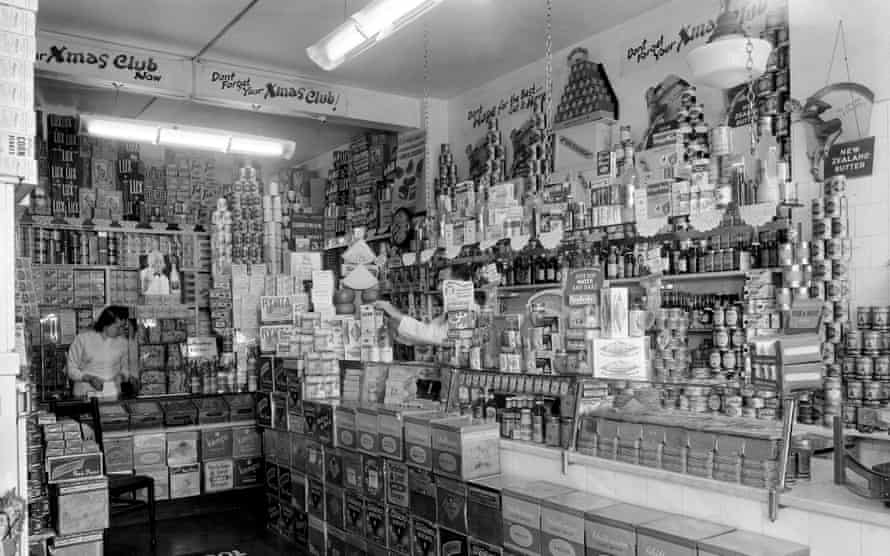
377 478
178 411
186 463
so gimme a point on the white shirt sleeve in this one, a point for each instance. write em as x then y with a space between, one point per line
413 332
76 357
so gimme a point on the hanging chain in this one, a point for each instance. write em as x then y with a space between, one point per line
548 88
428 186
752 101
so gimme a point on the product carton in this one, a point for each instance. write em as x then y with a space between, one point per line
620 358
398 527
422 495
270 445
301 529
272 478
464 449
451 498
484 507
739 543
353 471
216 444
299 494
424 537
366 428
334 508
418 439
396 479
452 543
614 306
315 498
676 535
372 474
354 513
80 507
85 544
248 471
318 538
479 548
336 541
315 460
375 522
161 476
299 451
185 481
521 512
149 449
325 423
285 481
344 426
333 466
391 430
219 475
613 529
119 454
356 545
562 522
182 448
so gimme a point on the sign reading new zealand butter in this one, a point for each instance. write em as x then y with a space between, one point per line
218 82
854 159
583 286
84 59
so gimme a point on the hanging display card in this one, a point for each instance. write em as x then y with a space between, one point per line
458 295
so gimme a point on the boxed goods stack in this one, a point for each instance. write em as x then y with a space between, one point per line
247 217
64 163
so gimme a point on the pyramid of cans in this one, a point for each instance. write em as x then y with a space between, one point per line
830 255
694 129
865 363
494 157
246 204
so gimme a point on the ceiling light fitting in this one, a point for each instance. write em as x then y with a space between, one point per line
365 28
723 62
186 137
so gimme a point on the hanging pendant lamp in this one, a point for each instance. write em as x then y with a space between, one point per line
723 62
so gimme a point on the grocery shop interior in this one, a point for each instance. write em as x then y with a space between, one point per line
444 278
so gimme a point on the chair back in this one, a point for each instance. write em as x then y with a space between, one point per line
78 409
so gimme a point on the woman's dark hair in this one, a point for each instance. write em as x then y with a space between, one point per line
133 327
109 316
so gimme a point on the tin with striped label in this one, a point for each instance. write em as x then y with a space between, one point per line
834 332
834 248
817 290
821 228
841 314
863 317
880 318
836 185
817 250
871 342
839 227
864 367
833 204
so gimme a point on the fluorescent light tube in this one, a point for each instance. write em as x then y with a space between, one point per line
371 24
123 131
261 147
193 139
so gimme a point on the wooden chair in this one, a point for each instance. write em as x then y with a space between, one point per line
118 485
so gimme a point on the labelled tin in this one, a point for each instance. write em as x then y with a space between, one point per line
834 248
817 209
836 185
855 390
839 227
832 206
880 318
821 228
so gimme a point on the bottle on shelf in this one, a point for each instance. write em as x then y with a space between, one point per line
491 408
538 415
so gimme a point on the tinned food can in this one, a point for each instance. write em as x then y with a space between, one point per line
864 367
871 342
821 228
836 185
855 390
880 317
817 250
840 312
873 391
833 332
833 206
863 317
881 367
853 342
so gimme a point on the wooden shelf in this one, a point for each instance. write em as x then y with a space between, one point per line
186 428
529 287
47 222
728 275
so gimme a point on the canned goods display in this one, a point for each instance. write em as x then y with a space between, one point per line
872 342
864 367
880 318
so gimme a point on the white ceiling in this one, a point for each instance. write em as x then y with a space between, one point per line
312 137
472 41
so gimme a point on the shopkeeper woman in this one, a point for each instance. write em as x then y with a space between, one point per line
98 359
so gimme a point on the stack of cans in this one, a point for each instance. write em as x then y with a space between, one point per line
866 363
670 359
272 234
694 130
728 460
760 473
247 218
629 443
447 169
700 463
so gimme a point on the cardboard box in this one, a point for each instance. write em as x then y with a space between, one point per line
465 450
336 541
325 427
356 545
270 445
452 543
390 431
521 512
216 444
273 512
248 471
620 358
424 538
562 521
398 530
298 452
422 495
272 478
182 448
219 475
418 439
119 454
375 522
161 476
396 483
301 529
451 496
285 478
185 481
149 449
479 548
484 508
354 513
86 544
366 429
80 507
676 535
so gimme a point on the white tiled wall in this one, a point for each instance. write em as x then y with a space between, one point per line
825 535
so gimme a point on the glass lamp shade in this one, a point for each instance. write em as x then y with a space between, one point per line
722 62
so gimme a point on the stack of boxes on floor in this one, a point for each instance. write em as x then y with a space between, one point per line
178 461
77 489
374 479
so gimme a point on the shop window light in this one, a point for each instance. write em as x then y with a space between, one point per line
365 28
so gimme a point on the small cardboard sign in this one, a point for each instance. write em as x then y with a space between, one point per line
854 159
201 347
583 286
